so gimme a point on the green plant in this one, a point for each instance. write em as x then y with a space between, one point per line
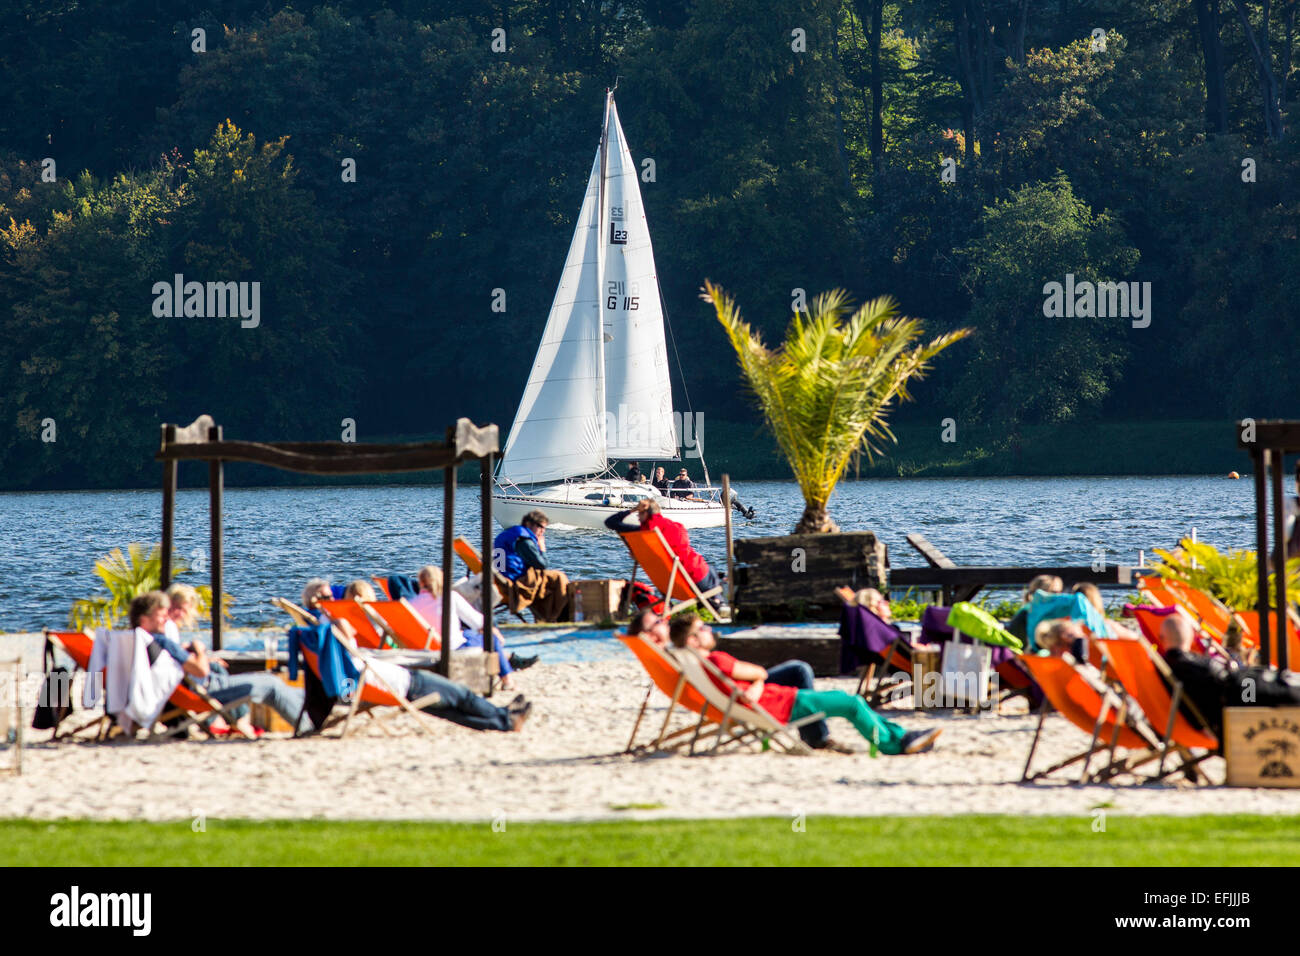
126 576
827 390
1230 576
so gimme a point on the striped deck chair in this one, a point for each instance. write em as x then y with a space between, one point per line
668 678
189 701
375 692
363 627
1106 718
651 552
1148 679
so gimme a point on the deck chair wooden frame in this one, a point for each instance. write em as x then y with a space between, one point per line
1108 717
304 618
676 576
1163 696
867 674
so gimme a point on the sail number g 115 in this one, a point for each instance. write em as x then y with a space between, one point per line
616 292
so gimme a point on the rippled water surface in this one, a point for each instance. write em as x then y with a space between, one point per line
275 538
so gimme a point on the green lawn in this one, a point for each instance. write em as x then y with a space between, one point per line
1240 840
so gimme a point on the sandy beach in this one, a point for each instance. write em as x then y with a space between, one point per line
568 764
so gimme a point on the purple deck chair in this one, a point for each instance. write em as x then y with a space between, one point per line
867 642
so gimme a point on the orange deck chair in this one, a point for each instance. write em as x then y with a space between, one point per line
502 584
651 552
382 584
403 623
1109 726
189 702
671 682
1148 679
372 696
1249 622
351 611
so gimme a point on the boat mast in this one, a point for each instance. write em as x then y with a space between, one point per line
601 214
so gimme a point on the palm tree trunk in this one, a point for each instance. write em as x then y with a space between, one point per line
816 520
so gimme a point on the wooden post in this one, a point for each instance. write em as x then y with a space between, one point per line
1262 458
1279 558
215 488
168 508
448 522
489 601
726 504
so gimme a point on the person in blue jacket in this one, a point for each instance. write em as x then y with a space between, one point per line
519 553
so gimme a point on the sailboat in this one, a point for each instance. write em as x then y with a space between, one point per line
598 390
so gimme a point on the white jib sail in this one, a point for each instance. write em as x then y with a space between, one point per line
638 395
558 431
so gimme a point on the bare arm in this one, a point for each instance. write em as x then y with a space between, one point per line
744 670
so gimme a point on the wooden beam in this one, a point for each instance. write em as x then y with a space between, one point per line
1262 456
1279 561
933 556
487 596
465 442
216 486
168 510
448 535
1277 434
962 578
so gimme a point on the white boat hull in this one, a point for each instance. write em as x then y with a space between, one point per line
586 504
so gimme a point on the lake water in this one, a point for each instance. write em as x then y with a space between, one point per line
276 538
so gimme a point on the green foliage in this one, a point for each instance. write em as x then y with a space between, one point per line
1035 236
126 577
470 170
1231 576
826 391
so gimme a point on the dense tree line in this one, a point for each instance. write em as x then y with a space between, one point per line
957 154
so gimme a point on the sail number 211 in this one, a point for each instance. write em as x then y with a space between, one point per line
616 291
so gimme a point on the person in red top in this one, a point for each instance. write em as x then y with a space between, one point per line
791 703
649 516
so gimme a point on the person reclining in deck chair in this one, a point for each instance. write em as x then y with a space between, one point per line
466 623
649 625
1211 684
536 583
153 607
458 703
790 703
648 516
867 632
1019 623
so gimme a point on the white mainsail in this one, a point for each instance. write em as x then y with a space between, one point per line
559 430
638 394
599 385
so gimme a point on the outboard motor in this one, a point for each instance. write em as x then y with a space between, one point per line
736 503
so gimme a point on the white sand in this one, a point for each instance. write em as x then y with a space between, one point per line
567 765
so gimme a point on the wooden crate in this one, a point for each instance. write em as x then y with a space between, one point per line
596 600
927 676
1262 746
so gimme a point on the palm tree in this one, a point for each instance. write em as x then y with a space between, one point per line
826 391
127 576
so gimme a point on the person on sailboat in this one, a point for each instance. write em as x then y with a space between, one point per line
649 515
660 482
634 473
523 550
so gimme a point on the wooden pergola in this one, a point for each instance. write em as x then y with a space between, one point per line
203 441
1268 443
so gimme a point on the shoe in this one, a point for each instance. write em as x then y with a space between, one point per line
834 746
520 716
521 663
919 741
517 704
